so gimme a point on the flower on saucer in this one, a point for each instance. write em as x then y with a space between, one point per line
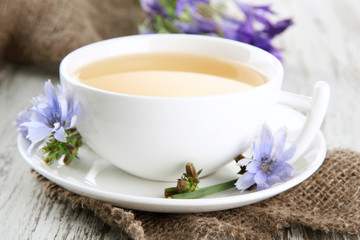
50 115
268 165
187 183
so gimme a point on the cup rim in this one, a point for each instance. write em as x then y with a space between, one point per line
65 75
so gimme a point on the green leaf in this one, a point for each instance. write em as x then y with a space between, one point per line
170 27
169 7
56 149
68 158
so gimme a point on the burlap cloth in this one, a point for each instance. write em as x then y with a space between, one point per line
44 31
329 201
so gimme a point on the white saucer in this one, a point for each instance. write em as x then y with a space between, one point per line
94 177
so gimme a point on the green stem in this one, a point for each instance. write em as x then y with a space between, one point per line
202 192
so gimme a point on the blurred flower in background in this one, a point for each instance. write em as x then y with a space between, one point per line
230 19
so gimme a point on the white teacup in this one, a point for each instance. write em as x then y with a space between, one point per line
154 137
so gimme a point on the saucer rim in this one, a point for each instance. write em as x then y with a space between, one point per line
156 204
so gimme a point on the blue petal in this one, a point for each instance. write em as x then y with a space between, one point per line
258 13
204 25
280 138
279 27
273 178
253 167
23 117
60 135
180 5
38 100
153 7
41 107
288 154
192 3
256 149
260 178
23 131
202 1
284 171
61 90
263 186
186 27
51 97
68 105
245 181
37 116
267 142
229 29
37 131
64 109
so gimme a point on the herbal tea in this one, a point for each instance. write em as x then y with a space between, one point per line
169 75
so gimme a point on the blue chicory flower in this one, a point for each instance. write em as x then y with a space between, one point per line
268 164
245 31
23 116
212 19
255 13
204 25
50 114
153 7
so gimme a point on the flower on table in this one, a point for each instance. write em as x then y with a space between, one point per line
269 163
51 117
246 23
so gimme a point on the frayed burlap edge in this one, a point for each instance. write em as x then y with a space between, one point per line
114 216
328 201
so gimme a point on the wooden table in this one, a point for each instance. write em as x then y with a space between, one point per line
324 44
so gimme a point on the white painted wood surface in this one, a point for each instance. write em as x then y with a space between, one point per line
324 44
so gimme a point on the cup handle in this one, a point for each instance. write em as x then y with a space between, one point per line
315 107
